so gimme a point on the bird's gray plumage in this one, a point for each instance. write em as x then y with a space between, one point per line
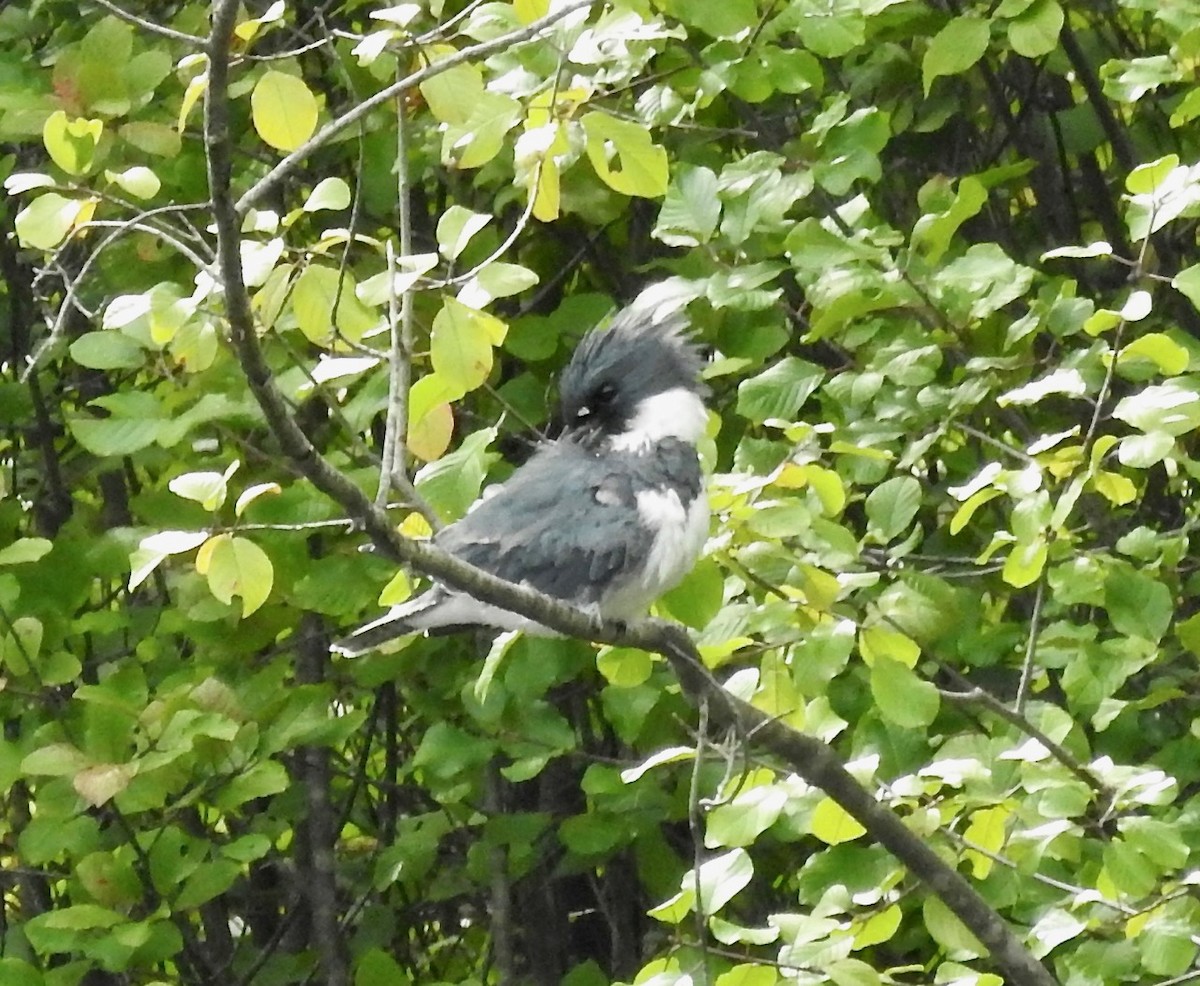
607 517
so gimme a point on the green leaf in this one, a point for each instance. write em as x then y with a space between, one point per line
832 824
748 974
988 830
107 351
741 821
453 93
452 483
138 181
721 879
853 972
25 550
460 346
496 280
456 227
261 780
45 222
480 137
152 550
283 109
492 662
698 598
1035 32
1188 281
947 930
1144 451
313 297
209 489
902 697
954 49
375 967
720 20
891 507
17 972
779 391
1137 604
1163 351
115 435
1025 562
330 193
624 155
880 928
72 143
1147 178
933 232
210 880
691 210
831 30
624 667
54 760
1172 408
236 566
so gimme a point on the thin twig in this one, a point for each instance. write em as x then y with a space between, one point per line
987 439
68 302
1035 623
696 828
167 32
974 695
504 42
400 323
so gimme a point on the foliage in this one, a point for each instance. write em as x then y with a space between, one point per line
945 255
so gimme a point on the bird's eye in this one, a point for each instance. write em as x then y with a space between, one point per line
605 393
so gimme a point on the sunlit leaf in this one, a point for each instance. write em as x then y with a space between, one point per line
283 109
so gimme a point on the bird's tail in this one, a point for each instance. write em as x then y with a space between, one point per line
399 621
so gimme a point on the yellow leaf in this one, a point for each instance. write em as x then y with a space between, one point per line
1114 487
416 526
397 590
529 11
987 831
191 96
239 567
876 641
72 143
624 156
964 513
1024 563
546 195
429 436
832 825
284 110
204 555
878 928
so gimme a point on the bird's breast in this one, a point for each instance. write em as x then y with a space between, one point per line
676 530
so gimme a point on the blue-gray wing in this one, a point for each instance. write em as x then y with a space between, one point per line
567 522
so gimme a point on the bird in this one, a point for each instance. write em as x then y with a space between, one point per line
610 514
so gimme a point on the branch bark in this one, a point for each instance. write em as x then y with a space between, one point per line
810 758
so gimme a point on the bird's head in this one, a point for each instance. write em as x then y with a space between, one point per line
635 382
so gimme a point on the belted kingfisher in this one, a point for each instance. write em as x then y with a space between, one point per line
608 516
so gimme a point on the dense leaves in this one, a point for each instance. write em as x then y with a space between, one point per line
944 256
